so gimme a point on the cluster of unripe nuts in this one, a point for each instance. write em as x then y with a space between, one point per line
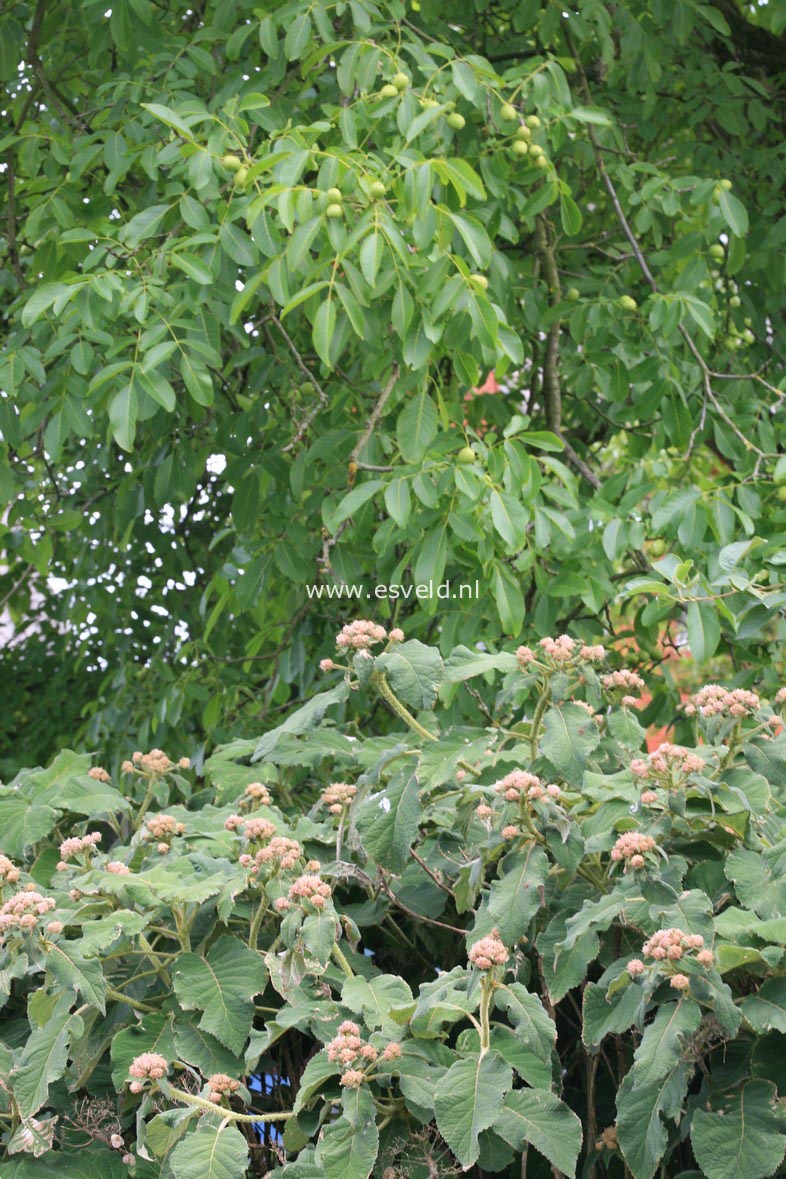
522 144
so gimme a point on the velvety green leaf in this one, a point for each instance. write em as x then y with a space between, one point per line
212 1152
221 985
468 1098
538 1118
744 1137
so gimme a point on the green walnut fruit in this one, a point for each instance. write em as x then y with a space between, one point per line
523 132
541 162
388 91
376 190
573 295
508 113
334 196
533 121
735 301
657 548
480 280
717 251
732 343
400 81
232 163
456 121
782 494
466 455
334 212
627 303
308 388
520 148
725 185
535 150
241 177
779 474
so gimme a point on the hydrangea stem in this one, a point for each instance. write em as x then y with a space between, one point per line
387 693
341 959
226 1114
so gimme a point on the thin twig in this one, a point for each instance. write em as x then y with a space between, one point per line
322 401
375 415
706 371
418 916
439 883
552 391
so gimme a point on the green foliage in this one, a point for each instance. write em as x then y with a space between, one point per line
344 957
252 280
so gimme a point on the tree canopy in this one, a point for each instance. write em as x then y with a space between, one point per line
223 382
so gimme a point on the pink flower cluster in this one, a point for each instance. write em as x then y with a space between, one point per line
670 945
665 761
23 909
258 830
221 1085
76 844
631 847
118 868
258 792
154 762
780 696
310 889
488 952
338 795
713 700
98 774
347 1048
360 635
559 650
163 827
150 1066
625 681
562 650
8 870
521 784
282 853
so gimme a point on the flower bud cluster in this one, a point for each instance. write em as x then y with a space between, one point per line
519 785
150 1066
360 635
162 828
98 774
713 700
624 681
561 651
282 853
118 868
258 830
75 845
780 696
22 910
8 870
667 761
347 1048
631 847
671 945
338 795
310 890
489 951
221 1085
258 792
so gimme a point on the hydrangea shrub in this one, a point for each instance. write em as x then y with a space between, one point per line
527 946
